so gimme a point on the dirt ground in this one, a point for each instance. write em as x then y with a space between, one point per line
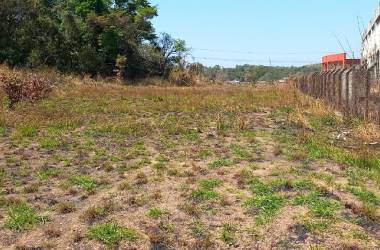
98 167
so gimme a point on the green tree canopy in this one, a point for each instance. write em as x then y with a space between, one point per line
82 36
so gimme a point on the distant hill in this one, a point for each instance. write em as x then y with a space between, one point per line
254 73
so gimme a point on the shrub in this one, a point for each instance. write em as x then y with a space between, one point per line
28 87
181 76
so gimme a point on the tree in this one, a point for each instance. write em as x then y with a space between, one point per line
81 36
171 50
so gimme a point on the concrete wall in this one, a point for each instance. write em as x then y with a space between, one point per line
371 44
350 90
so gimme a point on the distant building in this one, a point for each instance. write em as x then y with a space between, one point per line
338 61
371 43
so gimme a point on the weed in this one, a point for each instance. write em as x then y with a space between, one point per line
204 154
115 158
45 174
265 207
65 208
287 110
163 158
259 188
85 182
240 152
202 194
228 232
301 185
192 136
210 183
32 188
198 229
26 131
112 233
319 205
156 213
97 212
3 129
125 185
141 179
22 217
220 163
317 224
365 195
50 143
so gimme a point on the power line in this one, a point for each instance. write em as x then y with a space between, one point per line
264 53
252 61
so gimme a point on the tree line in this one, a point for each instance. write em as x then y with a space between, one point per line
255 73
95 37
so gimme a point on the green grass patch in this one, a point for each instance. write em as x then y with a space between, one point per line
3 129
192 136
26 131
48 173
301 185
259 188
228 233
210 183
21 217
84 182
204 154
265 207
50 143
287 110
163 158
314 225
240 152
220 163
202 194
156 213
320 206
112 233
365 195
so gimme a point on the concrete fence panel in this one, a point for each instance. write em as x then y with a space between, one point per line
355 91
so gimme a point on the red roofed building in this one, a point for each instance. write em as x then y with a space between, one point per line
338 61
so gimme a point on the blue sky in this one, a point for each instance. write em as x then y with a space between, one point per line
280 32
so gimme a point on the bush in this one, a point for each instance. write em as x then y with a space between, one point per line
28 87
181 76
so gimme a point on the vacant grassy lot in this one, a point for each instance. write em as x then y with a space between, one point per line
222 167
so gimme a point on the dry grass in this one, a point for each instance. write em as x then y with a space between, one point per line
185 168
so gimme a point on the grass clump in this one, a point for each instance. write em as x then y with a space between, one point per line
266 203
317 224
97 212
26 131
265 207
3 130
259 188
206 191
202 194
84 182
192 136
50 143
112 233
228 233
198 229
365 195
240 152
210 183
156 213
48 173
204 154
320 206
220 163
22 217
